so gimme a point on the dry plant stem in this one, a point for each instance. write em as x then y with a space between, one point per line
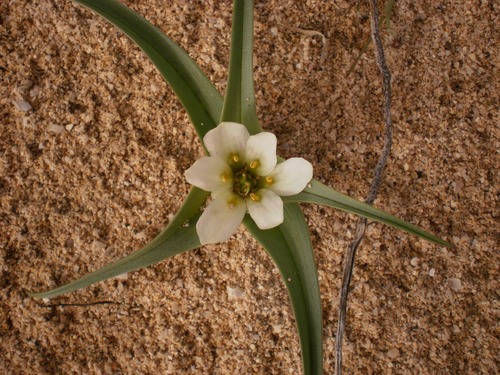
372 194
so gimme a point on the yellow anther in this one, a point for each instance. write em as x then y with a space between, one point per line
225 177
235 158
269 180
231 203
254 164
254 197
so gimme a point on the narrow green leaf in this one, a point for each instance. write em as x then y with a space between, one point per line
191 207
324 195
197 94
388 9
290 248
289 244
162 247
179 236
239 102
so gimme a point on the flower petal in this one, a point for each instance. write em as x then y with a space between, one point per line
268 211
227 139
210 173
221 218
291 176
262 148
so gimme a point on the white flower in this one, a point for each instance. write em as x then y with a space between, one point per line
243 175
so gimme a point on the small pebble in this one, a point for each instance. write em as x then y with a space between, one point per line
22 105
155 88
235 293
432 272
57 129
393 353
277 328
123 276
455 284
35 91
99 245
414 261
140 236
420 17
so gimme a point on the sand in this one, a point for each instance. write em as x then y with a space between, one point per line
94 144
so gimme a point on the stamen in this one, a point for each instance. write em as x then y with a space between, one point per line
245 188
254 164
225 177
254 197
265 182
232 203
235 158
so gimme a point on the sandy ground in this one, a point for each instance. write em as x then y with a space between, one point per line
93 148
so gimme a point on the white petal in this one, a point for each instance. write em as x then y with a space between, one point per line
291 176
221 218
262 148
227 139
268 212
210 173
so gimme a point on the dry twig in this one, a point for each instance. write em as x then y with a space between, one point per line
372 194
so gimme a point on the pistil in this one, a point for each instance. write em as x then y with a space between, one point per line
244 183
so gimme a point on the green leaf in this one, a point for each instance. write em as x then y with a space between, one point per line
197 94
239 101
388 9
290 248
179 236
324 195
289 244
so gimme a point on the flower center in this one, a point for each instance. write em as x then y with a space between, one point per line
245 178
245 183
